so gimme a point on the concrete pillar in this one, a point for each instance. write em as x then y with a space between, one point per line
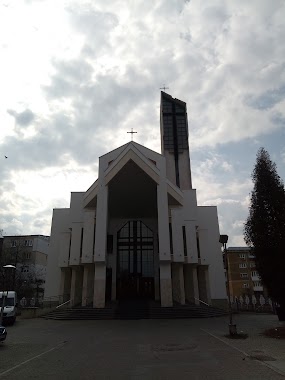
101 224
165 284
164 242
191 283
178 283
163 222
75 244
99 285
65 284
156 270
88 284
204 284
85 285
88 237
76 286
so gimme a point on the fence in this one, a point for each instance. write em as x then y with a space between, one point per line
253 303
43 302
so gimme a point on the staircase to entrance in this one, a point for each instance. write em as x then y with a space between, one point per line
136 309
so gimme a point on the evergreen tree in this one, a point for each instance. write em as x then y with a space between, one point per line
264 230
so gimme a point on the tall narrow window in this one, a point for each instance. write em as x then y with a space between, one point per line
184 240
70 237
81 242
170 238
94 232
198 243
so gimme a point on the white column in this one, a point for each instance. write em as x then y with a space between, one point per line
76 286
101 224
156 269
88 237
99 285
65 284
85 285
62 282
178 283
164 243
88 284
165 284
163 221
191 283
204 284
75 244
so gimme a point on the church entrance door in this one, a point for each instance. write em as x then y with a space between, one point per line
135 261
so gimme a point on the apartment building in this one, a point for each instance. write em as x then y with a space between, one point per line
242 274
29 253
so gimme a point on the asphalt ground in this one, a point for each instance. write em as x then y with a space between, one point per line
142 349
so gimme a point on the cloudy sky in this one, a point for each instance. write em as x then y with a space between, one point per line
77 75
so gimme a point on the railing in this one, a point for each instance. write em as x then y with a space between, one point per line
205 303
64 303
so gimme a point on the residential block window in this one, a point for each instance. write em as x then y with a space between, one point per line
245 285
242 255
244 275
14 243
257 283
28 243
28 255
242 265
254 273
252 264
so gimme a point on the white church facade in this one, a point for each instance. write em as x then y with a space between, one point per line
138 232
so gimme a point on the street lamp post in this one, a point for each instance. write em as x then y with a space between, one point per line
9 266
232 327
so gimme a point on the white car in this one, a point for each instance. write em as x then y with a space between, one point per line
10 306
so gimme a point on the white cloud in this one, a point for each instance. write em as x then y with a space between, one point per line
73 87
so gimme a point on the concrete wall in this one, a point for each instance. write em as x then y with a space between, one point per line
41 244
187 216
210 249
60 223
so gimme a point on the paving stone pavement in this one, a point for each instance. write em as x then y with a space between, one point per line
269 350
142 349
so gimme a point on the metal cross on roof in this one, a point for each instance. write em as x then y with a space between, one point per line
132 132
164 88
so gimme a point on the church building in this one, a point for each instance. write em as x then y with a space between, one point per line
138 232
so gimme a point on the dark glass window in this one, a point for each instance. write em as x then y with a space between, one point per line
135 249
184 240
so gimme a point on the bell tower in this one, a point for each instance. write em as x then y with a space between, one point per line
174 140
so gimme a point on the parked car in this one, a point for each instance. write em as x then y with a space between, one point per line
3 333
10 306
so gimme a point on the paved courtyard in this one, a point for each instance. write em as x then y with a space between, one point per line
142 349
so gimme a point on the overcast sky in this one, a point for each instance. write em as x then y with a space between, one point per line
77 75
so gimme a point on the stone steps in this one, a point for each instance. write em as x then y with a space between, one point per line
136 310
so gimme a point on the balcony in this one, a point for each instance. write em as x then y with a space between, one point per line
258 288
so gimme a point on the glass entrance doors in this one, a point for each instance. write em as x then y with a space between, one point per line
135 261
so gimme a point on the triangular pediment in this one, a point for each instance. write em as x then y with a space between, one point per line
147 160
131 152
